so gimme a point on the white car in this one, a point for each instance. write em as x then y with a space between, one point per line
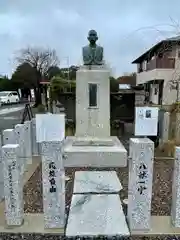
9 97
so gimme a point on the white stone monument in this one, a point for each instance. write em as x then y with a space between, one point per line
50 130
13 185
28 143
53 185
1 173
92 144
175 207
20 139
165 127
34 143
8 136
140 183
92 102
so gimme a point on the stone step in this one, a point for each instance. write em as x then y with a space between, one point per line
96 215
96 182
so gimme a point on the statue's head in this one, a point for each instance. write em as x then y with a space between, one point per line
92 36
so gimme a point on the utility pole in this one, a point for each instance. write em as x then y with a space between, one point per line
68 73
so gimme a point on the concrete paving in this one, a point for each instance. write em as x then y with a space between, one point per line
11 109
10 116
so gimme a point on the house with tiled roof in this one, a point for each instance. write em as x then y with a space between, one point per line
158 69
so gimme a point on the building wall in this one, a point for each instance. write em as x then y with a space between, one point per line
169 94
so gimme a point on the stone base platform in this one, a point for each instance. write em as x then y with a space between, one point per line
94 152
34 223
96 215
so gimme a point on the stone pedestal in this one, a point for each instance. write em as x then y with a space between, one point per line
35 145
175 208
53 185
8 136
28 145
13 185
92 145
140 183
93 117
94 152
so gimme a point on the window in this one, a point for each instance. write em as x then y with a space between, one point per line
15 93
155 91
92 95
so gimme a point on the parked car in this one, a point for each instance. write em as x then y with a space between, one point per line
9 97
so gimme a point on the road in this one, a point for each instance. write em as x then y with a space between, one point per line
10 116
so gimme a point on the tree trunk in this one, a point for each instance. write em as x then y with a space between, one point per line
38 100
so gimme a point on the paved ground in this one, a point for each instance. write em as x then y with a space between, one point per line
10 116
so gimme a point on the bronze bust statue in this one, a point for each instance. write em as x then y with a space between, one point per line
92 54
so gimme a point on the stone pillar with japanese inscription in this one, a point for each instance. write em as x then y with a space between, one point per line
140 183
53 184
28 146
175 207
20 139
13 186
34 143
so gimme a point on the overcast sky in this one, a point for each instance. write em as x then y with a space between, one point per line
125 28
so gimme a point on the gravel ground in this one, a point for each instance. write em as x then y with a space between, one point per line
55 237
161 197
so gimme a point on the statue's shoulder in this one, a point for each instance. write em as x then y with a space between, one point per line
99 48
85 48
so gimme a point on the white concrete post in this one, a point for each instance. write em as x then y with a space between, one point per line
35 145
28 144
8 136
53 185
175 207
1 173
13 186
140 183
20 139
165 128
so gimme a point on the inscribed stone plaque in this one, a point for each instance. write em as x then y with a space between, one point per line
13 185
50 127
53 185
96 215
140 183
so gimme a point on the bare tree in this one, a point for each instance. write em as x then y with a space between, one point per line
41 60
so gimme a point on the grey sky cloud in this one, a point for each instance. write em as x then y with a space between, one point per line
125 28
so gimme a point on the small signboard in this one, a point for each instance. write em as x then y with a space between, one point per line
146 121
50 127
